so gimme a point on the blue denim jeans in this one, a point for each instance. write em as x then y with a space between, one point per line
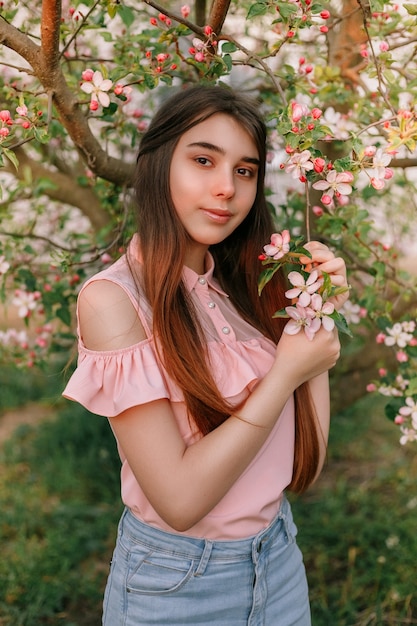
173 580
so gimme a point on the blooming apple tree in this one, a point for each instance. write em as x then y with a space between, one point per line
337 82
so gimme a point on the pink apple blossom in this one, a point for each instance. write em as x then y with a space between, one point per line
316 113
377 183
409 326
319 165
88 75
369 151
25 301
185 11
302 289
299 164
298 111
301 319
5 117
22 110
401 356
199 57
410 410
336 183
379 163
279 246
106 258
409 435
322 311
396 336
98 88
317 210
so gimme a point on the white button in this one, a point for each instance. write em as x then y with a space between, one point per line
202 281
226 330
211 305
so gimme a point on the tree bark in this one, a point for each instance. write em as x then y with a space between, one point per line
218 13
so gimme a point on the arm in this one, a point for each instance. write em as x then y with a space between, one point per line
184 483
320 393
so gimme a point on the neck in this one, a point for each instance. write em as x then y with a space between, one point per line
195 259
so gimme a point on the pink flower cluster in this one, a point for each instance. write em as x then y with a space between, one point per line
26 302
335 185
200 49
401 337
378 160
305 13
311 308
26 349
309 312
6 120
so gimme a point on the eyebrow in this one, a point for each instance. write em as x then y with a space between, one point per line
210 146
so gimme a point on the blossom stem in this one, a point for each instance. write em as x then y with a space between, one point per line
308 226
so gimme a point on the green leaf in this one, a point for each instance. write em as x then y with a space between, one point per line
227 59
341 323
127 15
63 313
286 9
110 110
392 408
41 135
259 8
11 156
265 276
411 8
229 46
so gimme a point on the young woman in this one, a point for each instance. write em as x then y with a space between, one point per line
215 410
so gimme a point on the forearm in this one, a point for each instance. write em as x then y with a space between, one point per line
184 483
320 393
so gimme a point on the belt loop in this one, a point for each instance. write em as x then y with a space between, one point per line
204 558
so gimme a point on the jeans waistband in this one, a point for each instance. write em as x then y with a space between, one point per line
205 549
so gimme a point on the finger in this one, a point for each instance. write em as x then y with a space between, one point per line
333 266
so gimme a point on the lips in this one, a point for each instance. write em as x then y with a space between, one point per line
218 215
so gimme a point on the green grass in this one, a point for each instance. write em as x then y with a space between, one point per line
358 525
59 506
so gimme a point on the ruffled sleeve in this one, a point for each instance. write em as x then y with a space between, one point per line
107 383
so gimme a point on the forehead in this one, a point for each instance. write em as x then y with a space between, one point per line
224 132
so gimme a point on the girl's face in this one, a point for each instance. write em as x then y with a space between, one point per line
213 182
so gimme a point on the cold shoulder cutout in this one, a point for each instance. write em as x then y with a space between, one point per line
107 317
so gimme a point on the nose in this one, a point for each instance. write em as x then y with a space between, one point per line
224 184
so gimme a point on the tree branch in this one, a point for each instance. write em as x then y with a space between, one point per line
69 112
198 30
218 13
64 189
12 38
50 25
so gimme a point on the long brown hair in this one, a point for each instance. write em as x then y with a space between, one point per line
178 334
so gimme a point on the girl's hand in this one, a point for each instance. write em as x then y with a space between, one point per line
298 359
323 260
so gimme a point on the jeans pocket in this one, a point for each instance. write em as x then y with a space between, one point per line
158 573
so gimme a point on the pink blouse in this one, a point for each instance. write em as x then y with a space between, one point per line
109 382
